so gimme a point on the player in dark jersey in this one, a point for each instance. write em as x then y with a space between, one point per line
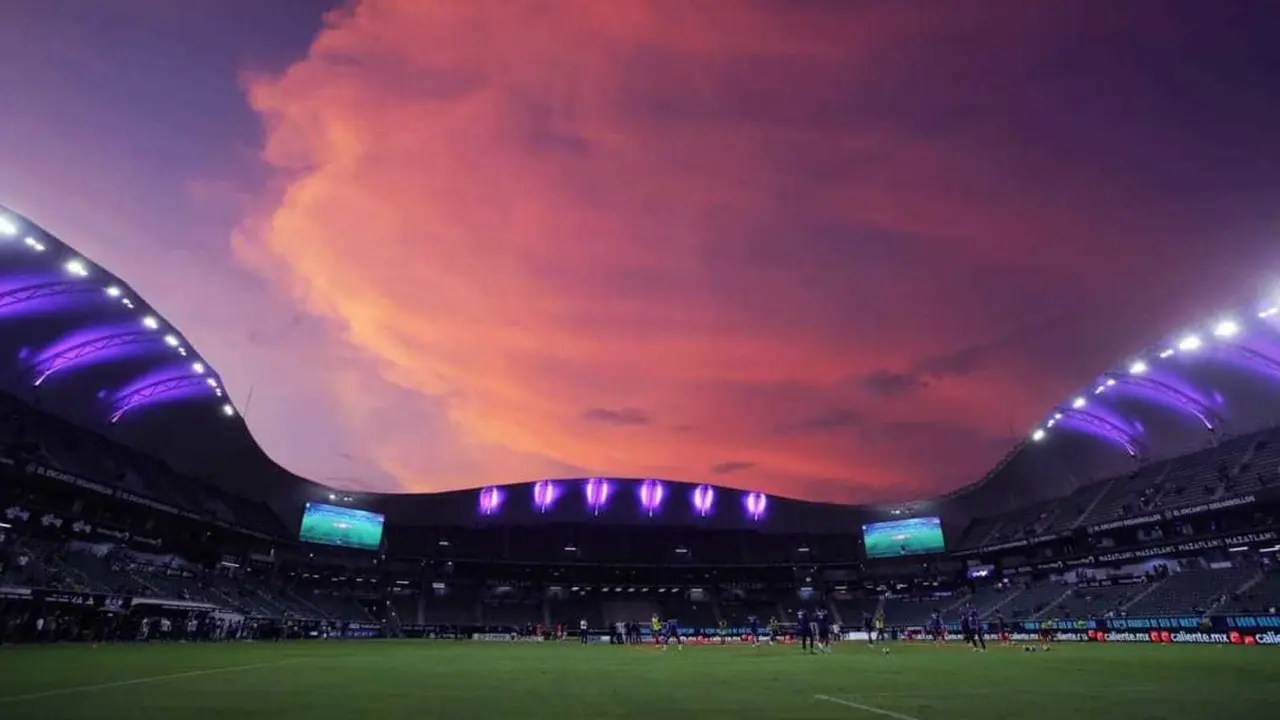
723 631
824 630
868 627
977 638
802 630
935 628
753 626
1002 630
673 634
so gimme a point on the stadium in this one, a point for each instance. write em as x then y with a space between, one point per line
140 520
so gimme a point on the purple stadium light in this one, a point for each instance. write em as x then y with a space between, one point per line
162 386
490 500
545 493
84 348
703 498
597 490
651 495
755 504
26 296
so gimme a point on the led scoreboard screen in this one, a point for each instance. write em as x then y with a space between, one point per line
341 526
896 538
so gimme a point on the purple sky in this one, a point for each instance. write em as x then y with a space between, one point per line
778 245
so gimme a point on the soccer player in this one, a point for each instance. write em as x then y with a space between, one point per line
880 626
978 637
868 626
935 628
1001 630
655 627
802 630
753 623
824 630
582 631
774 630
673 634
1046 635
724 632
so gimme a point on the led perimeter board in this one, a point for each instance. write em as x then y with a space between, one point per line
341 526
915 536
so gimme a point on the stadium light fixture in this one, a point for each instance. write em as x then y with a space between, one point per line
1057 416
1111 382
228 410
34 244
197 368
1037 435
1051 423
172 340
1138 367
1226 329
1269 312
1190 343
1100 389
77 267
1167 352
8 227
150 322
113 291
1078 403
212 382
127 303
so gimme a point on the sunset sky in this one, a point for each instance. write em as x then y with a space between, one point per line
832 250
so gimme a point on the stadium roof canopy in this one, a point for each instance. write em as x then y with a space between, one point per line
81 343
1212 380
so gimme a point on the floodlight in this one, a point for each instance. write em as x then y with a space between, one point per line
1078 403
7 227
1057 416
1269 312
1190 343
172 340
212 382
76 266
1226 329
1051 423
1100 389
150 322
113 291
127 302
228 410
197 368
1037 435
34 244
1168 352
1137 367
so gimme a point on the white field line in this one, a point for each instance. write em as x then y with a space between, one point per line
865 708
137 681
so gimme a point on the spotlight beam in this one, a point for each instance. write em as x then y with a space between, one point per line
1203 412
45 367
151 391
1108 428
28 293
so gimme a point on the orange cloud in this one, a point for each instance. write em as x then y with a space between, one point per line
646 238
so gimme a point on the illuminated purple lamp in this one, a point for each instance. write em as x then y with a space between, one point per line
755 503
545 493
703 498
490 500
597 490
651 494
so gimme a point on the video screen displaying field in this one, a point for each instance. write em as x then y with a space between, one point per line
896 538
341 526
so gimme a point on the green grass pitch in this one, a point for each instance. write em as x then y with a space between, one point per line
444 680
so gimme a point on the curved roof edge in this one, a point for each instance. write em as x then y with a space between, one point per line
68 272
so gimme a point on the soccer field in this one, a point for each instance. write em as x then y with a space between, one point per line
444 680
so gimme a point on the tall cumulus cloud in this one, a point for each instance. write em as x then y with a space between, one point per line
639 238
